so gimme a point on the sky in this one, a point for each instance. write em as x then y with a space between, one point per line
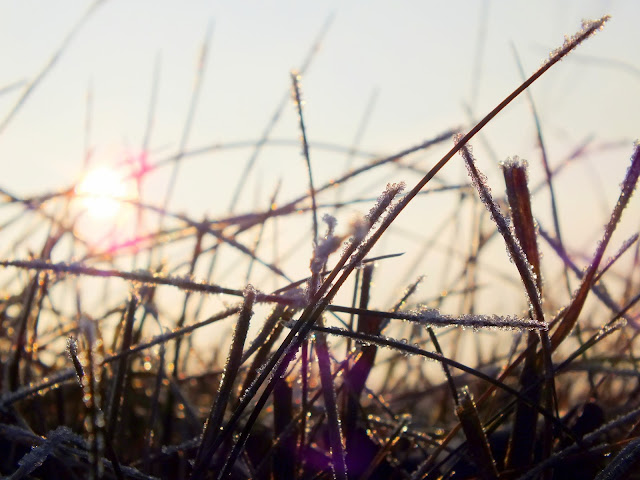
416 69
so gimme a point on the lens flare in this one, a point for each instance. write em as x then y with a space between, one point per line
101 192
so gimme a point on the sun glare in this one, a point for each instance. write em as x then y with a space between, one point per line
101 192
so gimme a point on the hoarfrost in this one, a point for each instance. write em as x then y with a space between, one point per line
589 27
36 457
384 200
431 316
329 244
514 249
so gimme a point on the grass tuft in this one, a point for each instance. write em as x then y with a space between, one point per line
132 380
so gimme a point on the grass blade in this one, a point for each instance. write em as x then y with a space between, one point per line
283 461
573 312
523 433
336 441
121 369
625 463
212 427
476 436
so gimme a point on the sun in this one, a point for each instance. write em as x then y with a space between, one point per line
101 192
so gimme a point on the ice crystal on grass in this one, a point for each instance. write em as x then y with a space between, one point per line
589 27
632 174
479 181
91 362
359 244
215 419
297 297
358 229
384 200
327 245
72 349
513 247
323 249
515 162
36 457
331 222
36 388
431 316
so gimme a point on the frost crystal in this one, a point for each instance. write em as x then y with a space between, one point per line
589 27
38 454
325 248
329 244
515 162
633 172
384 200
431 316
514 250
72 347
358 228
331 222
297 296
361 228
250 290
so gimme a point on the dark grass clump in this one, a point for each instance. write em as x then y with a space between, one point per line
322 388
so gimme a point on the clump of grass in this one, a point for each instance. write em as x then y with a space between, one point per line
292 401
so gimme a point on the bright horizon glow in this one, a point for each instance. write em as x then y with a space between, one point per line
101 192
